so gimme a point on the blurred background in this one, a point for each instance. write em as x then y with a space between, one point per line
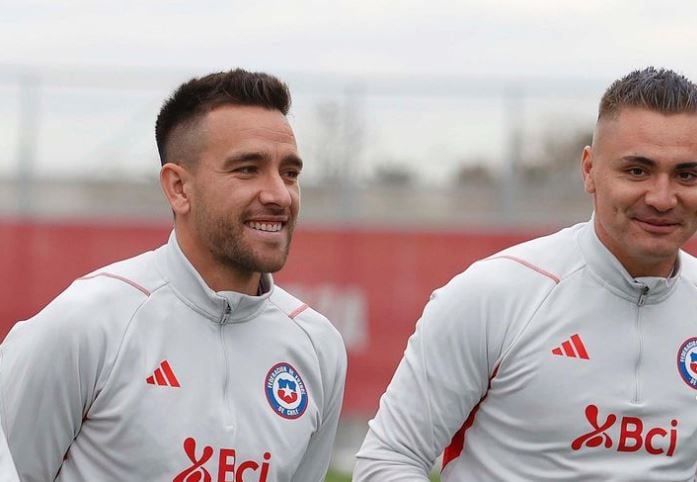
433 133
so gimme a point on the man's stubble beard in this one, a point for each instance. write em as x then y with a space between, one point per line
226 242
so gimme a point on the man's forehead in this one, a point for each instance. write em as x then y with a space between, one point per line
632 114
249 122
285 133
243 115
637 123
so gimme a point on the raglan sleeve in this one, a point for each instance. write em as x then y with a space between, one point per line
443 374
332 361
51 369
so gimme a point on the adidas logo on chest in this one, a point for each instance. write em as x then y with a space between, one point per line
163 376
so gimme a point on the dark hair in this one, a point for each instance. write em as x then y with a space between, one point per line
660 90
199 96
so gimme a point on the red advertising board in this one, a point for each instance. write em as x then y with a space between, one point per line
372 283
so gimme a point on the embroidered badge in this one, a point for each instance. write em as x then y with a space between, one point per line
285 391
687 362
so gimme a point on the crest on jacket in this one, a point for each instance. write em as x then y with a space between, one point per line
687 362
285 391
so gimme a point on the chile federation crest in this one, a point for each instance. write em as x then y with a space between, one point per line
687 362
285 391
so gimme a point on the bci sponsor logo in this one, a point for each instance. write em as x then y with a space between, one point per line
227 466
633 435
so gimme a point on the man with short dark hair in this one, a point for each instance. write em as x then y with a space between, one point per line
574 356
187 363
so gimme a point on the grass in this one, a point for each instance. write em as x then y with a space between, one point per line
336 477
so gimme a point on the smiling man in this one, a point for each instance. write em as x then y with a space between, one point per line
642 173
570 357
187 363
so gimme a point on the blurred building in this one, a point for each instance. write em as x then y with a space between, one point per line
471 205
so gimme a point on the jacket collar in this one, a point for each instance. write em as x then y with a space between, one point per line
611 273
221 306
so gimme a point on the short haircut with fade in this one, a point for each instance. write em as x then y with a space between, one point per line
195 98
659 90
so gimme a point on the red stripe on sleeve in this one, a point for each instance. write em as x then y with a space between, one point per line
120 278
527 264
457 444
298 310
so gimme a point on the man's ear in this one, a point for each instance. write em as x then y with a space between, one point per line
586 168
175 181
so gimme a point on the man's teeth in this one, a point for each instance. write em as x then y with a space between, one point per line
271 227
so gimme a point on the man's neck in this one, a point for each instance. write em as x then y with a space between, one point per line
219 276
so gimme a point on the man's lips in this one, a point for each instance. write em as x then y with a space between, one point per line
266 226
657 225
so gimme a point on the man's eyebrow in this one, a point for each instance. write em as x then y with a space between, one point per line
245 156
256 156
651 163
639 160
294 161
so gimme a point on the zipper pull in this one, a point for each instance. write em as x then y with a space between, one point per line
226 313
642 296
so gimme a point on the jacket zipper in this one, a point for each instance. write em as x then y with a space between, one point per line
227 405
642 295
640 302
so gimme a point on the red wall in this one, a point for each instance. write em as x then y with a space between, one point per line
372 283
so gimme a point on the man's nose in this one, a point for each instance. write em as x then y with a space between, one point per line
662 195
275 190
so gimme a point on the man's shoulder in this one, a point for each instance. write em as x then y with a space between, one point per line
547 258
95 310
316 325
104 297
140 273
688 267
327 344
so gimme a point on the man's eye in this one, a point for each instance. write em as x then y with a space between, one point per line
688 176
636 171
246 170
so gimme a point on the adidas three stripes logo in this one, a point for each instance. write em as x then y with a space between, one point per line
572 348
163 376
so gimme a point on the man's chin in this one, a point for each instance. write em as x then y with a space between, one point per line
270 265
658 252
271 268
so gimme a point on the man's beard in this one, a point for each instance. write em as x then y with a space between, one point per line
226 241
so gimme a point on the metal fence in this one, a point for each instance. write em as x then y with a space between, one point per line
355 132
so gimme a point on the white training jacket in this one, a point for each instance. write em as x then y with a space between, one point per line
7 466
545 362
139 372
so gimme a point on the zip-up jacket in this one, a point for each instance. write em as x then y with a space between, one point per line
7 466
546 362
140 372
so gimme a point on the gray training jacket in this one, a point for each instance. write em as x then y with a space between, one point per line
546 362
140 372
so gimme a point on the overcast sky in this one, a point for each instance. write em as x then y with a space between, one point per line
407 42
531 37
